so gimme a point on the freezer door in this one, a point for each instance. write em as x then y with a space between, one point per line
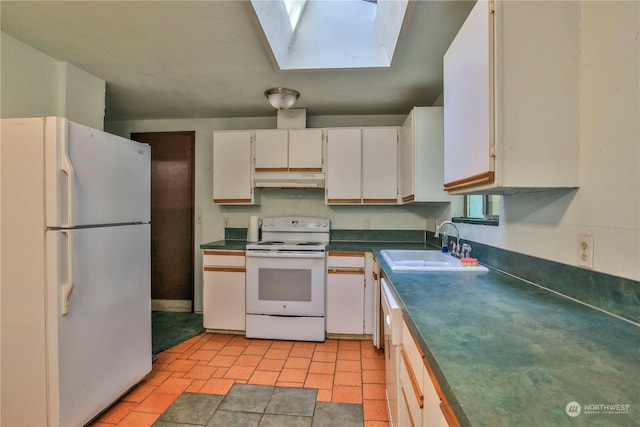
93 177
98 318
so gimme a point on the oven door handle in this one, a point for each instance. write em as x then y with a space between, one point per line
285 254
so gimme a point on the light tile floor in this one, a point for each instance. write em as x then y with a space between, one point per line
342 371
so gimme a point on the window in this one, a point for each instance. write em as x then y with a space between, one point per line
480 209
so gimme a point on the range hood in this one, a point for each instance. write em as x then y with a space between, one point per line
289 179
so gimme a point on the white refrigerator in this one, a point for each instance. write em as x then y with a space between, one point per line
75 301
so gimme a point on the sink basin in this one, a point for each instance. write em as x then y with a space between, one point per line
424 260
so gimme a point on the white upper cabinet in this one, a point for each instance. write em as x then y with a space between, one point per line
511 98
305 150
272 150
362 165
293 150
380 165
344 165
232 168
421 154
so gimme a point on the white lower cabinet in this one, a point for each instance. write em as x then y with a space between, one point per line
345 292
421 402
223 293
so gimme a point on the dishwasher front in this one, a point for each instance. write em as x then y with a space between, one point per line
392 321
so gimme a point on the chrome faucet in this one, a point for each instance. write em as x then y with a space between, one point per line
443 223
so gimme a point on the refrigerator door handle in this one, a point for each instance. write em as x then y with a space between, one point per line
67 288
67 168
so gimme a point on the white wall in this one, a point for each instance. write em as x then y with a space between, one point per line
607 204
33 84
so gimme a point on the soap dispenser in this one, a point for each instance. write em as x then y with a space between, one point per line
445 243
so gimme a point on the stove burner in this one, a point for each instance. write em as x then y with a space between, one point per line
308 243
271 242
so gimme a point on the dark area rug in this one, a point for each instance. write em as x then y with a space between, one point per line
171 328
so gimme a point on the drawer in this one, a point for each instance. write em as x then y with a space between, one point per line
413 353
345 259
224 258
410 392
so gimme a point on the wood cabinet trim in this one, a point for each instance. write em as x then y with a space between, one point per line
223 252
272 170
409 198
445 407
344 253
225 269
449 416
343 201
412 377
305 169
481 178
406 404
232 201
345 270
379 200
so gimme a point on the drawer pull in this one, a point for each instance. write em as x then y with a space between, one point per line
412 377
406 403
227 269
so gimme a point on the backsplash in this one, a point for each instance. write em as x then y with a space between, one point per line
613 294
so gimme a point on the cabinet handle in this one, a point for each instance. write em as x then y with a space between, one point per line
445 407
406 404
390 201
232 201
481 178
449 416
412 377
222 252
227 269
346 270
351 254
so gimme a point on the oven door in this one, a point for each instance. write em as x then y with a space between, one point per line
286 283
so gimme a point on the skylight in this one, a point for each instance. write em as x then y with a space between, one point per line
321 34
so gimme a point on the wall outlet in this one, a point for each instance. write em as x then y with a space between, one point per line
585 250
226 221
366 223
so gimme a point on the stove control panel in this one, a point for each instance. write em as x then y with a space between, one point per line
290 223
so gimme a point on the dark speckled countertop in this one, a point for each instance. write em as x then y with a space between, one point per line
508 353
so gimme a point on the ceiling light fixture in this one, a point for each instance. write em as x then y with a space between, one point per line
281 97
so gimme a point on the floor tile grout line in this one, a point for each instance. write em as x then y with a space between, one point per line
187 351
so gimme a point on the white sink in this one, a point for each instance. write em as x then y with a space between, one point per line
424 260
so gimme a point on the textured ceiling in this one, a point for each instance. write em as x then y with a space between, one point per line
197 59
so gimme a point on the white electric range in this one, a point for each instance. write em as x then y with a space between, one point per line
286 279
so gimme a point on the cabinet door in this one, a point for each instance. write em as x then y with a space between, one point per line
380 165
223 293
223 298
345 301
344 167
271 150
305 150
406 156
433 413
467 95
411 375
232 174
345 292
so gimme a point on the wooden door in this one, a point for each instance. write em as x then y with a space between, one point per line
172 213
